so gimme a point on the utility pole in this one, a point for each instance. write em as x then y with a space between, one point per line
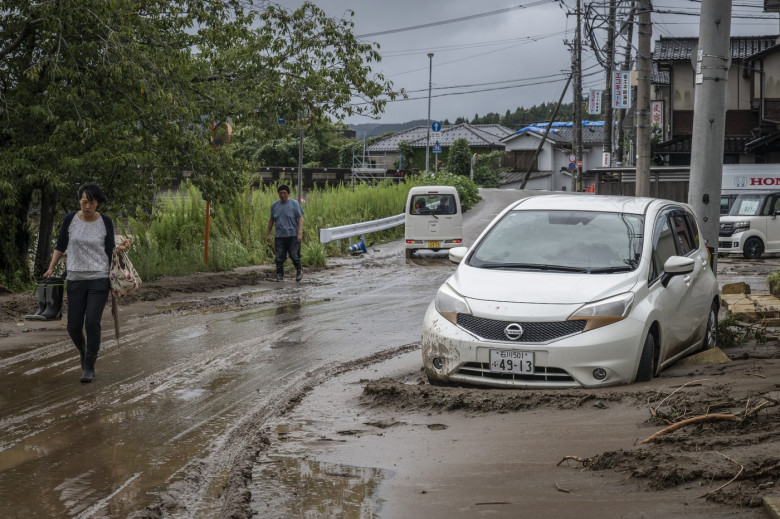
577 133
642 110
627 65
608 111
428 137
711 68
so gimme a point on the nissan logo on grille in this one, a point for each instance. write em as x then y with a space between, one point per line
513 331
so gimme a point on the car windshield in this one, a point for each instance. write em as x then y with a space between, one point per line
746 205
562 241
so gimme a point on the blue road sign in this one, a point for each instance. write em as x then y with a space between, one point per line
281 120
437 147
436 126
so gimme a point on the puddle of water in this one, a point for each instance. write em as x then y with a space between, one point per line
284 487
287 308
188 394
190 332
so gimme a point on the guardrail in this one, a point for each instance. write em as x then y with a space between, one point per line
347 231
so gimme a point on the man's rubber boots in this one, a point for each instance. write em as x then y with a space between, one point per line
54 293
40 290
89 367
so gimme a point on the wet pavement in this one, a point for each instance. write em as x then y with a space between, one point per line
189 388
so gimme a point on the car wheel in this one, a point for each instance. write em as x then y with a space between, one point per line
647 361
711 335
753 248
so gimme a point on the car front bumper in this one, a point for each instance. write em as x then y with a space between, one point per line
564 363
731 244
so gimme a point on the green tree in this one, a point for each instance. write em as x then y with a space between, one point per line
459 159
407 152
125 93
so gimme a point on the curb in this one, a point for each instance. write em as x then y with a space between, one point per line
772 506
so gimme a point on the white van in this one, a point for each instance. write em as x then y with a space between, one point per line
742 178
433 219
752 226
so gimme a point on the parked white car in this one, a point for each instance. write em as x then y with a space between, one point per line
573 290
752 226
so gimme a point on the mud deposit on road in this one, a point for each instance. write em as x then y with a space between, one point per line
744 393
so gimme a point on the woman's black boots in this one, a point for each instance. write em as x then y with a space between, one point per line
89 367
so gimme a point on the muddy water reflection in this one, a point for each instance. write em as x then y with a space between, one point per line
320 489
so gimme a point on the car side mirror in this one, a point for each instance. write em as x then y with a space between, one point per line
675 266
457 254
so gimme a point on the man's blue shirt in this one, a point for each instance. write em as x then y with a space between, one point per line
285 216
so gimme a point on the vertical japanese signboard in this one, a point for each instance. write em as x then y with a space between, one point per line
657 113
594 102
621 89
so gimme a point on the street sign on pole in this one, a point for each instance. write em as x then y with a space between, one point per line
437 147
435 126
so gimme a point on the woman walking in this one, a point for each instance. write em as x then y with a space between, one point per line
88 239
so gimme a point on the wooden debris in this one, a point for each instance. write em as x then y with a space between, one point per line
741 468
688 421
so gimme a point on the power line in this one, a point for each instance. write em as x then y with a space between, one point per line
455 20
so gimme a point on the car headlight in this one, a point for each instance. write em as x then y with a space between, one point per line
604 312
741 227
449 304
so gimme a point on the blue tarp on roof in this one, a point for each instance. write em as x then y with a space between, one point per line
541 127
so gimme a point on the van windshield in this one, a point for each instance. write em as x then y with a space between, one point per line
747 205
433 203
566 241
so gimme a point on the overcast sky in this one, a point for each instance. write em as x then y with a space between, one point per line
500 54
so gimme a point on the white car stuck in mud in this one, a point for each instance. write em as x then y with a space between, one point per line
573 291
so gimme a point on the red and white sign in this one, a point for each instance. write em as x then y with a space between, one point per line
594 102
657 113
621 89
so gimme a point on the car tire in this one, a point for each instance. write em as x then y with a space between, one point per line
646 368
711 332
753 248
409 254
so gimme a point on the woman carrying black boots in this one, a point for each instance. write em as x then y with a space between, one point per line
88 239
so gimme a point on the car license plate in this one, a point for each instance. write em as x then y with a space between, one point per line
434 244
511 361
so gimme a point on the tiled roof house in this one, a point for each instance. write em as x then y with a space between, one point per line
753 99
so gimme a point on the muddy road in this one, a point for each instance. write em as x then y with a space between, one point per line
193 381
227 396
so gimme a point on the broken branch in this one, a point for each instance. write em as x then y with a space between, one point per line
741 468
695 419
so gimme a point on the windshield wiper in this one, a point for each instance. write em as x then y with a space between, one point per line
601 270
532 266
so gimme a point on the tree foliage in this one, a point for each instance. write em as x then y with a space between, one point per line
459 158
125 93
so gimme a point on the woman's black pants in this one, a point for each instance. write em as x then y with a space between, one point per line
86 302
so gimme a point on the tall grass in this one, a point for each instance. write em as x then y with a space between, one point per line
172 240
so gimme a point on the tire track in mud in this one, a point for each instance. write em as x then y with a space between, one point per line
242 446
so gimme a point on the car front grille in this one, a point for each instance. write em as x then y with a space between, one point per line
726 229
533 332
541 373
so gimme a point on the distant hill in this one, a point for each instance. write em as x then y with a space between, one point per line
373 129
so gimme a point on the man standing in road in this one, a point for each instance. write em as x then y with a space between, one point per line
287 215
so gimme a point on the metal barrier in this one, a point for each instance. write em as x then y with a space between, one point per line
357 229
